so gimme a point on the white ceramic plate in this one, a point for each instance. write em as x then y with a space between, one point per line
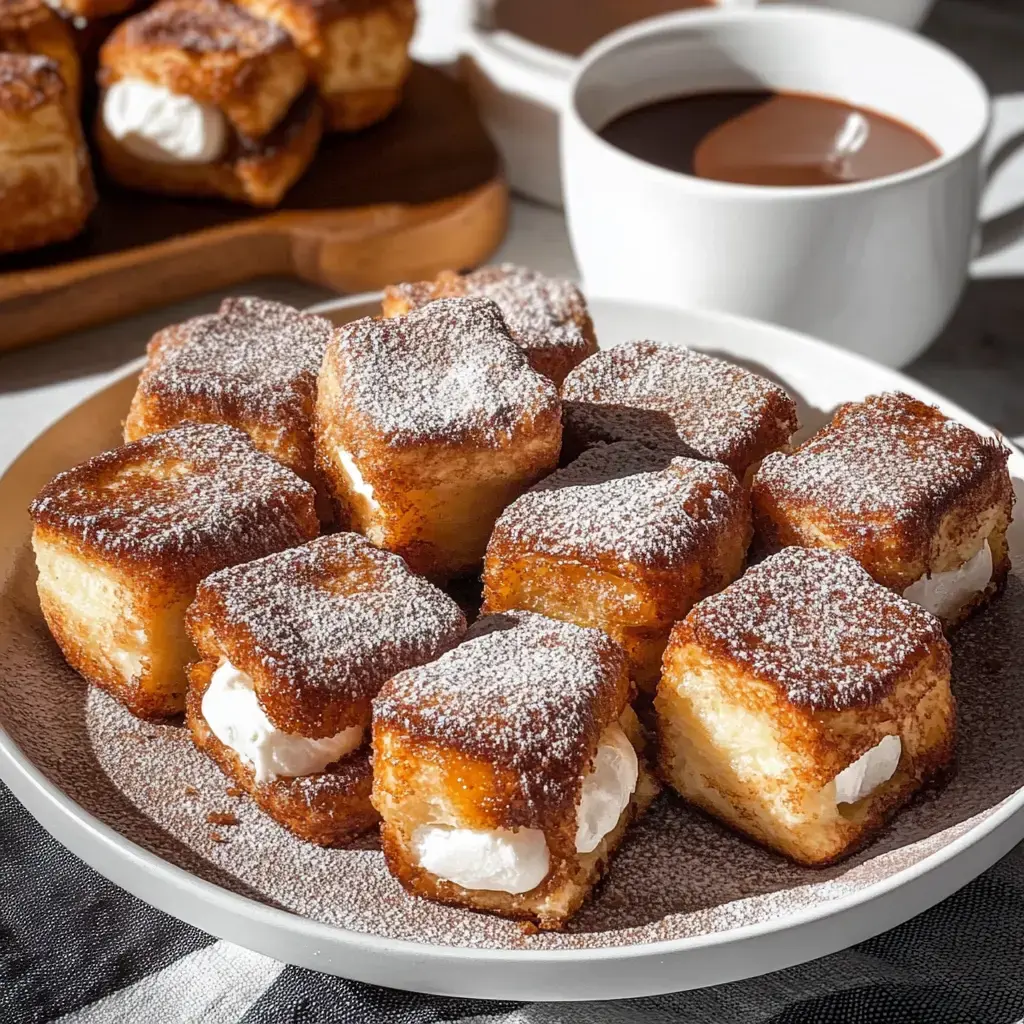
686 903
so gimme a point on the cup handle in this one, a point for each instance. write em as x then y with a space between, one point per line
1004 229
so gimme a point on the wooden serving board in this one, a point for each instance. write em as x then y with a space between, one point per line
417 193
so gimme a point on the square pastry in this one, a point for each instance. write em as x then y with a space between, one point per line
357 53
33 27
123 540
673 397
46 187
626 539
506 772
253 365
201 98
547 316
428 425
922 502
293 648
805 704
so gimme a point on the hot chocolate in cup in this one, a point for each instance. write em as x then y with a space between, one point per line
874 262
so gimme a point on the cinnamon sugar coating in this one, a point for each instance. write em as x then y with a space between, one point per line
815 625
547 316
894 483
448 373
528 695
253 365
179 504
670 396
28 82
320 627
624 508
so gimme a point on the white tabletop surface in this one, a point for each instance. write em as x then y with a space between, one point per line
978 361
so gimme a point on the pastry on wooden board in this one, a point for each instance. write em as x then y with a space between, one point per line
46 185
200 98
357 52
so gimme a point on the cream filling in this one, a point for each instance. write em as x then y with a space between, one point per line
517 861
945 593
234 715
155 124
355 478
873 768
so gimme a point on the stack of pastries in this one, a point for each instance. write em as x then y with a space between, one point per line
184 97
273 551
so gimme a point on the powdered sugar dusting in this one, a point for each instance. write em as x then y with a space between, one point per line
677 874
337 614
253 357
448 371
195 491
816 624
541 312
523 692
645 391
624 501
889 456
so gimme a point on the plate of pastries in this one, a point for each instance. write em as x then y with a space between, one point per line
599 648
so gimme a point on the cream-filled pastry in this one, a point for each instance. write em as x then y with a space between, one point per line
200 98
293 648
945 593
232 711
921 501
504 860
506 772
805 704
441 415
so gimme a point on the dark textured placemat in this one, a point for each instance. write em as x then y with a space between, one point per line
72 943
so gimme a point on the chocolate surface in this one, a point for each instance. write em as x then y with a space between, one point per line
765 138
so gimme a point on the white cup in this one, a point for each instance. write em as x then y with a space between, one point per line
874 266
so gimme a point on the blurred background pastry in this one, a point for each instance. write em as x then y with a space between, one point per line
30 26
201 98
357 51
46 187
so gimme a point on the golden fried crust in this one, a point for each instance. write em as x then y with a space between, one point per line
30 26
115 630
215 53
46 186
178 505
570 880
673 397
444 419
319 629
547 316
252 365
896 485
92 10
259 176
705 705
357 52
625 539
330 808
525 699
813 625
